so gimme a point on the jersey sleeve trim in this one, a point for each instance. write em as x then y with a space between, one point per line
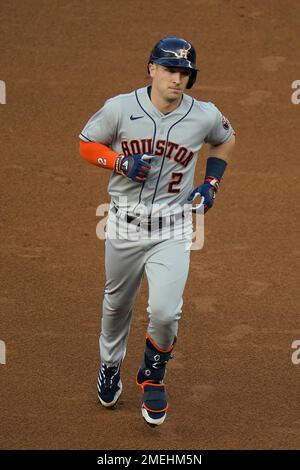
227 137
84 138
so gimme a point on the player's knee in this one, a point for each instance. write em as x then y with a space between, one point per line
164 311
115 305
164 315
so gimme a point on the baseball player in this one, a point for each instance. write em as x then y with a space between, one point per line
150 140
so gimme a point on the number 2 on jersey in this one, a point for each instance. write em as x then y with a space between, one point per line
176 180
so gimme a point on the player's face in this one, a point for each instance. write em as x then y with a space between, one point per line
169 82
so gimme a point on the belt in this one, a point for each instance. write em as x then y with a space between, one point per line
129 219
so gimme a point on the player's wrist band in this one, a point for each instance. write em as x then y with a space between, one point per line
118 164
215 167
215 182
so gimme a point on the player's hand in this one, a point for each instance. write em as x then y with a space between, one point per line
135 167
207 191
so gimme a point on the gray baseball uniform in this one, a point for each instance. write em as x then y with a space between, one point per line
131 124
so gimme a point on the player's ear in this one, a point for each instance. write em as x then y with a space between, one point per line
151 69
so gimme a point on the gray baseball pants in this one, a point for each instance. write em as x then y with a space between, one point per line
166 265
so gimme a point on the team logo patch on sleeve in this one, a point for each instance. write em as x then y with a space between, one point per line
225 123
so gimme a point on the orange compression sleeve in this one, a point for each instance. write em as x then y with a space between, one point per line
98 154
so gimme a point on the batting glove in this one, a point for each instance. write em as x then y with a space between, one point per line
207 191
134 166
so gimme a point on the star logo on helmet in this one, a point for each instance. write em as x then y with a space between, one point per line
183 53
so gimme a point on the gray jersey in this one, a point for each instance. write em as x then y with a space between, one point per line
130 124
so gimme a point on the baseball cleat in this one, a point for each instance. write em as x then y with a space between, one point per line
156 420
150 378
155 403
109 385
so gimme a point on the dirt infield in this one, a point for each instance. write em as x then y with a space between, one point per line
232 383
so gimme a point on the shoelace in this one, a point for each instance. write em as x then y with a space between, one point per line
108 374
